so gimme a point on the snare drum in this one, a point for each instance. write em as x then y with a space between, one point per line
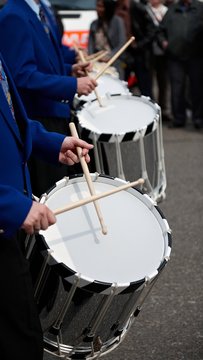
130 129
107 84
90 287
111 70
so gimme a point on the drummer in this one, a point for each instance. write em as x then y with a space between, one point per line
21 334
47 84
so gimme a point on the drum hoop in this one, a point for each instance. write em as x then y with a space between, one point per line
93 285
123 137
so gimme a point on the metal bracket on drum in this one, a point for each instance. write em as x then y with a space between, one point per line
55 329
147 183
133 307
161 170
97 318
121 174
42 274
96 154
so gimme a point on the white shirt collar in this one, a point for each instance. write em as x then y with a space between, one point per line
46 2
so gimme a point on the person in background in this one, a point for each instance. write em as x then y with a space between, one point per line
138 56
46 84
160 80
107 32
21 335
180 35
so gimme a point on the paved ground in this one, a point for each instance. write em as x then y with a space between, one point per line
170 325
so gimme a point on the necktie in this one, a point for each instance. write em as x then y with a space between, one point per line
44 21
5 87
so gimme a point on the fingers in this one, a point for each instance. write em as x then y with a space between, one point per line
40 217
72 157
85 85
83 144
80 69
69 153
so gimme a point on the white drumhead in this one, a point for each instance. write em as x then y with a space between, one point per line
136 242
119 115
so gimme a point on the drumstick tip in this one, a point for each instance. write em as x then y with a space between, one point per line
104 230
141 181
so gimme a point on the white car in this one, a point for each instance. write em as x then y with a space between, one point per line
76 16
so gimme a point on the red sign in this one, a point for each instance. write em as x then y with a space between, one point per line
78 37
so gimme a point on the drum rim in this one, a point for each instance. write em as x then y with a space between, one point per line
93 285
129 135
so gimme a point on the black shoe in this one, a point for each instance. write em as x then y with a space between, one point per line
198 123
175 125
166 118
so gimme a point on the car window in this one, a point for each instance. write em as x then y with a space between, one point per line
74 4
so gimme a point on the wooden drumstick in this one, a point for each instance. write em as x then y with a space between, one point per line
88 178
87 57
95 55
81 55
93 198
100 56
115 57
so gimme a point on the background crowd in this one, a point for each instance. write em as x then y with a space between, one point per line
165 62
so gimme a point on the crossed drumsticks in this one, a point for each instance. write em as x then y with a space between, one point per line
94 197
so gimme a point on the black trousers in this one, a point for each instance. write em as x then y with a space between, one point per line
179 72
160 74
21 335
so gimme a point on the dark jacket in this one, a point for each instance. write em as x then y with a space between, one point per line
115 35
182 27
142 26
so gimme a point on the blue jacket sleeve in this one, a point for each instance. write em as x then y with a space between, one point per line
45 145
69 55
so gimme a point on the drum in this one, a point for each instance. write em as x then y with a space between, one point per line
106 84
129 127
111 70
89 287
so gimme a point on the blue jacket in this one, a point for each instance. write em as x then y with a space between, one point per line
15 151
36 63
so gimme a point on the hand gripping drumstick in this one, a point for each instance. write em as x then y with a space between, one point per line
115 57
88 178
82 202
81 55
